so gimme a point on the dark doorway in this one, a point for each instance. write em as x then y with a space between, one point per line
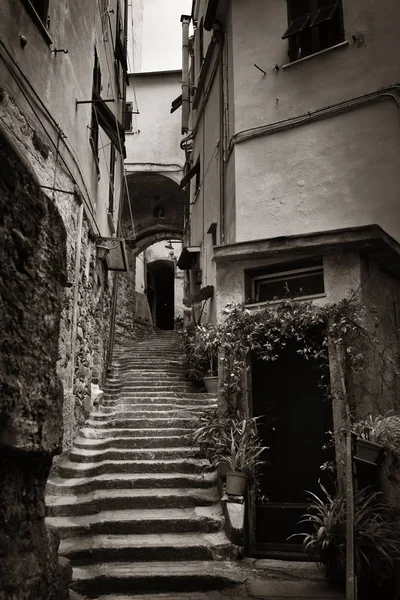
294 418
161 292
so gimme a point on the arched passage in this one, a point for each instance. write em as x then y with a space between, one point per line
152 212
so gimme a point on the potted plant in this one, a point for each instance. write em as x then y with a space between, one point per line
243 458
376 539
374 434
231 443
205 346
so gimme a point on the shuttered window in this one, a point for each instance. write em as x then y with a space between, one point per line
313 25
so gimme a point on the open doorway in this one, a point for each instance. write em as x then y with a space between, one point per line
161 292
294 416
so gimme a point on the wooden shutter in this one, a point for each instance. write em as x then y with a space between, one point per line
326 11
299 13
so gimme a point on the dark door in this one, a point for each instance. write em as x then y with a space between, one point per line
294 418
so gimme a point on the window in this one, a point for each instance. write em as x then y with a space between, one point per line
159 212
127 120
39 13
314 25
96 90
42 8
300 279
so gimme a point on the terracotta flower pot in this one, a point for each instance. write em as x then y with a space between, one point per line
236 483
367 452
211 384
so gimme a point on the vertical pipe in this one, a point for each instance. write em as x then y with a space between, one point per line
221 138
78 248
185 20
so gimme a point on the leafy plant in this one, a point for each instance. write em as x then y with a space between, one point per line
229 440
245 449
376 535
211 435
381 429
202 344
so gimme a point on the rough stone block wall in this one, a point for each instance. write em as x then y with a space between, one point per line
32 277
94 284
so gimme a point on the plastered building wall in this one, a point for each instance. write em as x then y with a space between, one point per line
339 171
153 143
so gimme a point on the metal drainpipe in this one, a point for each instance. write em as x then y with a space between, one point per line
185 20
222 137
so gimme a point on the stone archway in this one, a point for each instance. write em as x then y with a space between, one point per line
157 210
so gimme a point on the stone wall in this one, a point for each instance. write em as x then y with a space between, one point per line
93 283
32 276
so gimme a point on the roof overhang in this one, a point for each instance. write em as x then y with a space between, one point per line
371 241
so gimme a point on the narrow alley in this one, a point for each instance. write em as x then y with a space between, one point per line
138 513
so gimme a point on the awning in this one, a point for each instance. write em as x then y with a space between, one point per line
188 257
177 103
192 173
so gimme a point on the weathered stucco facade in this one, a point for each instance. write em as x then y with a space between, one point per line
293 157
61 181
77 164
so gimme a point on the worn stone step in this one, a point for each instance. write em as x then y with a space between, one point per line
205 519
94 502
109 421
86 455
148 397
166 441
131 547
121 481
155 577
151 410
87 469
95 432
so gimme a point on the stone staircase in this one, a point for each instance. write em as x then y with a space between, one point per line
137 512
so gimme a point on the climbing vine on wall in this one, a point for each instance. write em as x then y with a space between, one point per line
266 332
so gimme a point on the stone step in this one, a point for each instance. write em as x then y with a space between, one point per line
131 547
86 469
105 421
156 576
160 396
121 481
85 455
94 502
95 432
166 441
156 411
206 519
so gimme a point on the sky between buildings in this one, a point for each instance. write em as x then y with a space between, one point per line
162 34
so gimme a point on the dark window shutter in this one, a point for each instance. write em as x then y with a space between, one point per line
127 117
298 9
299 12
326 11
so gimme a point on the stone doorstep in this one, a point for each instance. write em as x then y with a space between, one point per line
290 589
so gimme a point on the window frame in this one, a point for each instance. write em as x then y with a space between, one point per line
284 271
41 23
311 36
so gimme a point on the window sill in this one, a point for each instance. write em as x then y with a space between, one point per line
300 60
280 300
38 21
